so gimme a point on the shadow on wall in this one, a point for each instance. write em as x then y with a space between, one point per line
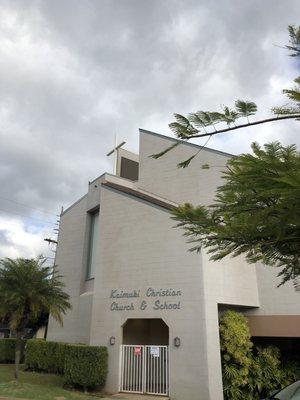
146 332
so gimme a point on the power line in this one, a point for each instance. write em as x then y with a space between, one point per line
23 215
25 205
9 227
4 225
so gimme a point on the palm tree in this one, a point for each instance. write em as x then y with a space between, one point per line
28 288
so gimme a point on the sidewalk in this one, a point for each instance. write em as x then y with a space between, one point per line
118 396
133 396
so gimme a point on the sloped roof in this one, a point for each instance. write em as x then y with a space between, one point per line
138 194
185 142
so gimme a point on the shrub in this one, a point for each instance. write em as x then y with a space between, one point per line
291 371
266 372
45 356
7 350
250 373
236 354
85 366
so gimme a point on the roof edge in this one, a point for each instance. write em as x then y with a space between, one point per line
141 130
74 204
139 195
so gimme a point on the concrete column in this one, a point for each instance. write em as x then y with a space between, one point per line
213 352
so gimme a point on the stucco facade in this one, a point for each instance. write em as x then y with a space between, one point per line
140 252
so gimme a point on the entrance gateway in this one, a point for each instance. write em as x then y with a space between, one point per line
144 369
144 357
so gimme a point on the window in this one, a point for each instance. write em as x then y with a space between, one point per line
129 169
93 245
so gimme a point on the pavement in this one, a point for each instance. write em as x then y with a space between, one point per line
118 396
133 396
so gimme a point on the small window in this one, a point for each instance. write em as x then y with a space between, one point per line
129 169
92 250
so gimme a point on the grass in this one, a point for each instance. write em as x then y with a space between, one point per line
36 386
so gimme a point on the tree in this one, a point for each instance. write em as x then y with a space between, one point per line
207 123
28 289
294 46
256 211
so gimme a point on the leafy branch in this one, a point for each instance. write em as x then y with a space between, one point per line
285 115
294 46
206 123
232 128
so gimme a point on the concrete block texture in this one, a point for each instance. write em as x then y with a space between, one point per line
145 271
140 250
70 264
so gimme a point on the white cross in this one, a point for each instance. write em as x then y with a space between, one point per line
114 151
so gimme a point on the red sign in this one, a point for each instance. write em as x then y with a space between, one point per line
137 351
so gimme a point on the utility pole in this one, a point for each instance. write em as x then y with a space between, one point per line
56 230
55 242
50 240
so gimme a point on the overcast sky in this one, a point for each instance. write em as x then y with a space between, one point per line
75 72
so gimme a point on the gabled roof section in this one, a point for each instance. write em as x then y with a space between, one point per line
74 204
139 194
185 143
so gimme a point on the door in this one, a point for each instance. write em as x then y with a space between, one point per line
144 369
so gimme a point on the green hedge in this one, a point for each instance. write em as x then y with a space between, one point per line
45 356
85 366
7 350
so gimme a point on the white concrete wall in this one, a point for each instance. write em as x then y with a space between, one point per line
139 249
274 300
229 281
163 178
70 260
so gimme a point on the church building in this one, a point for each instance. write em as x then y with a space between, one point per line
136 288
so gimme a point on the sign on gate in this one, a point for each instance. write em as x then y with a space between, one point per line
147 373
154 351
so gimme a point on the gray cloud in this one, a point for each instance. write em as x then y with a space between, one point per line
4 239
74 73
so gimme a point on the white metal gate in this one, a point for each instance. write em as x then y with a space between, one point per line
144 369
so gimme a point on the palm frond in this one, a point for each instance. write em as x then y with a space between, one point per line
293 94
294 46
286 110
205 166
186 163
182 128
229 116
163 152
208 117
245 108
196 120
